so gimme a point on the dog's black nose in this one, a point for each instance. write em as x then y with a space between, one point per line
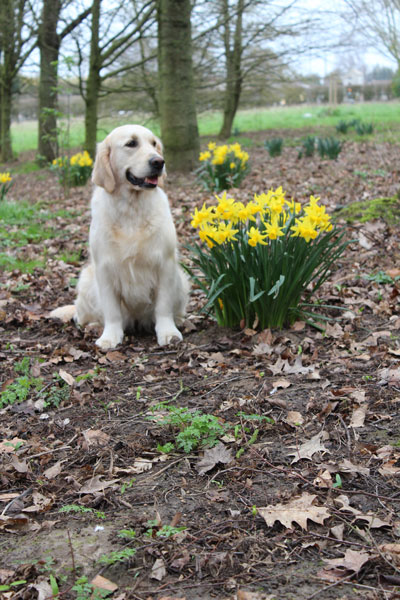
157 163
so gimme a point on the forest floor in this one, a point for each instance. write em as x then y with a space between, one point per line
299 500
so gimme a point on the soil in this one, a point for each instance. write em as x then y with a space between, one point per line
300 498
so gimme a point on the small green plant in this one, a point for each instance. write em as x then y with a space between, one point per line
5 185
382 278
117 556
86 591
274 146
364 128
74 171
127 534
338 482
197 428
166 531
329 147
222 167
261 263
343 126
11 586
77 508
307 146
127 486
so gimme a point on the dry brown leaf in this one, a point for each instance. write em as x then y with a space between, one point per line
338 531
102 583
212 456
281 383
373 521
8 496
297 511
323 480
19 465
352 560
141 465
309 448
67 377
347 466
393 550
43 588
358 416
244 595
40 503
94 485
158 570
294 418
53 471
95 437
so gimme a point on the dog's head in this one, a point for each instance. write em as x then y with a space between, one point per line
130 156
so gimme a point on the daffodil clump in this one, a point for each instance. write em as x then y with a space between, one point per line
223 167
5 184
73 171
259 263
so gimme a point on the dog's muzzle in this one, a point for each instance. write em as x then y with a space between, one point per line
156 164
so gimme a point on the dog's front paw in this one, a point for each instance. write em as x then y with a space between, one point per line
169 336
110 339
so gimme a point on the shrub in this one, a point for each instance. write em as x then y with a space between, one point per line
74 171
330 147
364 128
259 263
5 184
343 126
274 146
307 146
223 167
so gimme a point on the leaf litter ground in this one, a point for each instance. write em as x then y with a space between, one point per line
300 497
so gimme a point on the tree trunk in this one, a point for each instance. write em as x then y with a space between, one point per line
49 45
233 57
93 83
179 129
6 152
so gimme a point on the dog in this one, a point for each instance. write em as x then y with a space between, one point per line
133 277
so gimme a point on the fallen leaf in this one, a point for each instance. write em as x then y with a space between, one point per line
158 571
67 377
309 448
347 466
323 480
94 485
352 560
40 503
212 456
393 550
95 437
294 418
358 416
43 588
244 595
102 583
373 521
53 471
297 511
281 383
8 446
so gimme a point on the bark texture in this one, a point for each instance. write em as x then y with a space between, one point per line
179 129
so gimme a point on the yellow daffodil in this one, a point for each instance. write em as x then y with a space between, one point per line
5 177
204 155
256 237
305 229
211 146
273 231
205 214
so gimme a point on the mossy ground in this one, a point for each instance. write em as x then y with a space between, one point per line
387 209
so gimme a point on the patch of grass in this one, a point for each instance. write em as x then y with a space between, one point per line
274 146
387 209
197 429
12 263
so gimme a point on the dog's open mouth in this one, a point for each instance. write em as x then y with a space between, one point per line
146 182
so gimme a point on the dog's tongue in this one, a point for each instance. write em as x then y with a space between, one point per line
152 180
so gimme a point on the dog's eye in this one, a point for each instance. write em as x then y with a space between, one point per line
154 143
132 144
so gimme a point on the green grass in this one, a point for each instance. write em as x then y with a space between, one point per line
384 115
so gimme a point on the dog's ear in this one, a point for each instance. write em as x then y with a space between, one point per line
103 175
160 150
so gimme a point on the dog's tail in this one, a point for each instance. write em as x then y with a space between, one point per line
64 313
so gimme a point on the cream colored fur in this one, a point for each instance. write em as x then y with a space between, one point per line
133 276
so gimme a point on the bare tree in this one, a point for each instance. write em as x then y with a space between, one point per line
176 85
16 44
112 34
379 22
49 43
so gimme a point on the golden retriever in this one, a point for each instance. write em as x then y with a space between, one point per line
133 277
